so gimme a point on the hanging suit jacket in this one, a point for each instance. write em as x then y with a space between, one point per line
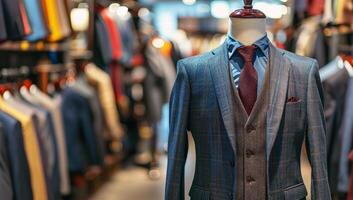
13 20
202 103
80 137
335 90
20 174
6 189
3 33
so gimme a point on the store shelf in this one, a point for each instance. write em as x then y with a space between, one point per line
37 46
80 54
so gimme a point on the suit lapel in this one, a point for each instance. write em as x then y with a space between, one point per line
279 73
279 67
219 71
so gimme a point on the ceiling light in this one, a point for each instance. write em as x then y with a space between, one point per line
220 9
143 12
189 2
114 7
158 43
122 10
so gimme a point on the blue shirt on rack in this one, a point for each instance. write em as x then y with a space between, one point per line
237 63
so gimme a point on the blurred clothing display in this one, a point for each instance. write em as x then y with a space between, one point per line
310 40
158 82
32 149
34 20
343 11
103 84
53 140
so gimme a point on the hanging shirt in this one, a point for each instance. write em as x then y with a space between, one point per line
51 14
39 30
237 63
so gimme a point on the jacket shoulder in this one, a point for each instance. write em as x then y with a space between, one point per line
300 63
298 59
195 61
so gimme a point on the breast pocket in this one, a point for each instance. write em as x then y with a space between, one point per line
293 117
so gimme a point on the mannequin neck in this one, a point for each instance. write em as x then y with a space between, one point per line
247 30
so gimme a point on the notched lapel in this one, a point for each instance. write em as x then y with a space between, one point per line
279 67
219 72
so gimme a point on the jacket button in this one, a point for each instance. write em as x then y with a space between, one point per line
249 153
250 179
250 128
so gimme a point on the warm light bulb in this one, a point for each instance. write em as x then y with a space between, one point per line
158 43
79 19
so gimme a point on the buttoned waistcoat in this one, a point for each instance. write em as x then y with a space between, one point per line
250 139
202 103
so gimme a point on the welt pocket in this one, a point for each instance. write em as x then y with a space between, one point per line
294 103
199 193
295 192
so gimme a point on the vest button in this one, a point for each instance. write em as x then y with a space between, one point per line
250 128
250 179
249 153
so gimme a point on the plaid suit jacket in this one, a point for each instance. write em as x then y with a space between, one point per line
201 102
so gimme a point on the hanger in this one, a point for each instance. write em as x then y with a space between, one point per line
6 87
347 63
247 11
331 68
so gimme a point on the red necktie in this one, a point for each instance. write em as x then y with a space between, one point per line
248 78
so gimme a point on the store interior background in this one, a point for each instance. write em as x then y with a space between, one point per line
130 49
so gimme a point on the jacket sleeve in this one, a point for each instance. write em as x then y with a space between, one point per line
316 137
178 142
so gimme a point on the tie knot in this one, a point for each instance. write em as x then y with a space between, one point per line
247 52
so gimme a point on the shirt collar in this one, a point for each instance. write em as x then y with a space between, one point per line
234 44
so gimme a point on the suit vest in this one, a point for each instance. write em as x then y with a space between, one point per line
250 136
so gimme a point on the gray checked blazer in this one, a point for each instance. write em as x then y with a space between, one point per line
201 102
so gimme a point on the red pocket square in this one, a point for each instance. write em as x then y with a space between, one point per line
293 100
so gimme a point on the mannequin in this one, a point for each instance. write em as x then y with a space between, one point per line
243 151
247 25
